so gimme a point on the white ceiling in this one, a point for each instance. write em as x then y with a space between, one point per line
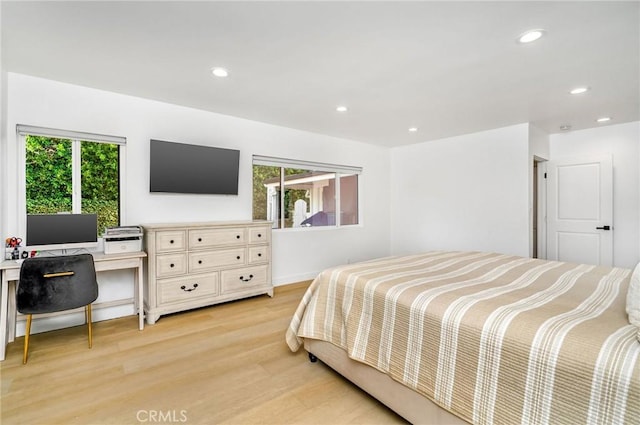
448 68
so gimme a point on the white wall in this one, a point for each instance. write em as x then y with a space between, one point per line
3 136
475 191
468 192
297 254
622 141
538 143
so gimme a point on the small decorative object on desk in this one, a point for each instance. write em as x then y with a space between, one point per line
12 248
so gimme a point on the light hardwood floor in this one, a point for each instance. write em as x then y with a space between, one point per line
226 364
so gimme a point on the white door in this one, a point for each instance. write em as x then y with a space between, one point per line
580 210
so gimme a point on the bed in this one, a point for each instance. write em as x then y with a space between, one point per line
476 337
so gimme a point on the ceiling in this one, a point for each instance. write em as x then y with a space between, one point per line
447 68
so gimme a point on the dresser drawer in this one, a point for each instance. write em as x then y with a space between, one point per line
200 261
244 278
259 234
258 254
171 264
171 241
187 288
209 238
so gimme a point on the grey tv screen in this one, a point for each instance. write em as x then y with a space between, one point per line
185 168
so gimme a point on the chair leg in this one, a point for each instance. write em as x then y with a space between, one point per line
27 331
88 316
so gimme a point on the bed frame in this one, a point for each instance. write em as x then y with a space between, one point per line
409 404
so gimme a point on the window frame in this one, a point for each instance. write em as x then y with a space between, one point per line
339 172
76 138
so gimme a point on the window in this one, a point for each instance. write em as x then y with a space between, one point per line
68 172
312 193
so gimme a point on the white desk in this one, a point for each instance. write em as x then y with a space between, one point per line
11 274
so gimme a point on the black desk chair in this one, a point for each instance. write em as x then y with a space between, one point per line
50 284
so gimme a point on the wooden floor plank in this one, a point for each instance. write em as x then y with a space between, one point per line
226 364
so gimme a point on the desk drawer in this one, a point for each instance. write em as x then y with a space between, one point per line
244 278
200 261
187 288
171 241
171 264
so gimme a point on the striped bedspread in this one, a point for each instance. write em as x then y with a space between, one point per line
492 338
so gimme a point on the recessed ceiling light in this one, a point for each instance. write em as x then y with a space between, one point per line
413 129
529 36
341 108
219 72
604 119
565 127
579 90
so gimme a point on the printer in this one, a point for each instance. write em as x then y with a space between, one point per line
122 239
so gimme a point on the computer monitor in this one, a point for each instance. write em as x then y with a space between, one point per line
61 231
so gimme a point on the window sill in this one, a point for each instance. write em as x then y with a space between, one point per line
317 228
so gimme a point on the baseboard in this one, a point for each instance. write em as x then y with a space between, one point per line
285 280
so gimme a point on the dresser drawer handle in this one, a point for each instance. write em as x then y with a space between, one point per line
259 254
184 288
259 235
171 241
238 257
172 265
246 280
199 239
199 261
237 236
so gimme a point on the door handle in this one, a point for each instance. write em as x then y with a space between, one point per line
603 228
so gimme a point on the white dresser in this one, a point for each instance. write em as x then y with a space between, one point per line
192 265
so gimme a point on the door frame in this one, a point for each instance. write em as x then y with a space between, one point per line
541 207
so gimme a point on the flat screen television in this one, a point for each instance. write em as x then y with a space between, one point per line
184 168
61 231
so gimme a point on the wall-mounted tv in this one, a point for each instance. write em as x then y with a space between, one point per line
62 231
184 168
